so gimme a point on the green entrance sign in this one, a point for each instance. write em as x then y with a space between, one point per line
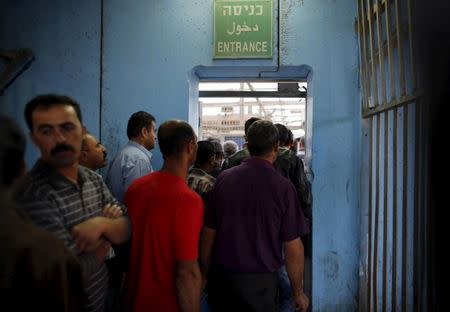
243 28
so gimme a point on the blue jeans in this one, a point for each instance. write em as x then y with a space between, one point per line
285 296
204 307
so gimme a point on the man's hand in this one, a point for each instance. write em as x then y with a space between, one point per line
301 301
88 233
101 251
112 211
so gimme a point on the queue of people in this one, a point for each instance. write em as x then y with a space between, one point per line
215 229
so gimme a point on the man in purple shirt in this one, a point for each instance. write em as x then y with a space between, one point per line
253 214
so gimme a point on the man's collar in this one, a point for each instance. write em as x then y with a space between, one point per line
142 148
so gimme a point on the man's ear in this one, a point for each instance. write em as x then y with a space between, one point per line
144 131
276 147
83 155
190 146
212 160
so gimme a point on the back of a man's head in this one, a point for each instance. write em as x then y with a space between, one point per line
46 101
173 135
138 121
283 134
218 148
249 122
205 151
262 138
12 149
229 148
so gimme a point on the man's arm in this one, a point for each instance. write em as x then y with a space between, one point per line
188 223
135 170
88 233
302 186
188 283
206 244
44 212
294 254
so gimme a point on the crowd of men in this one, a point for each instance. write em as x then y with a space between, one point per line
216 228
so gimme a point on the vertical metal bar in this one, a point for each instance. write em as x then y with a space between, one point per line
370 247
400 50
377 216
405 212
374 83
395 213
378 13
363 57
389 50
385 210
411 49
417 271
417 205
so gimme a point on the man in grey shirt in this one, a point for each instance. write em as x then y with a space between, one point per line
134 160
69 200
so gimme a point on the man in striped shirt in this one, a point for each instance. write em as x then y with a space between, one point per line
67 199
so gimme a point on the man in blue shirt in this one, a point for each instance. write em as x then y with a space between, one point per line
134 160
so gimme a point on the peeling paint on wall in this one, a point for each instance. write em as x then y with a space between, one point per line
286 30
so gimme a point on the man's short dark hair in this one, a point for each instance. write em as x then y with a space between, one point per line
290 137
12 149
217 146
262 136
205 151
138 121
46 101
283 134
249 122
173 135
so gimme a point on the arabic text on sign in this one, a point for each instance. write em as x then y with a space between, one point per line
238 29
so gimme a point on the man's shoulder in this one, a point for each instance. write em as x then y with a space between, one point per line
34 185
186 194
236 158
140 184
240 155
90 174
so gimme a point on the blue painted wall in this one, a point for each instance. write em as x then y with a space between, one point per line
64 37
151 50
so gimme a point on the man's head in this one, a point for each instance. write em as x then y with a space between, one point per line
283 134
141 128
177 138
206 155
12 149
55 127
249 122
93 153
229 148
262 139
219 155
301 143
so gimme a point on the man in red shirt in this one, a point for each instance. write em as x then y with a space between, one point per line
166 218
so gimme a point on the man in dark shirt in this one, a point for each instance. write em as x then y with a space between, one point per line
248 230
291 167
